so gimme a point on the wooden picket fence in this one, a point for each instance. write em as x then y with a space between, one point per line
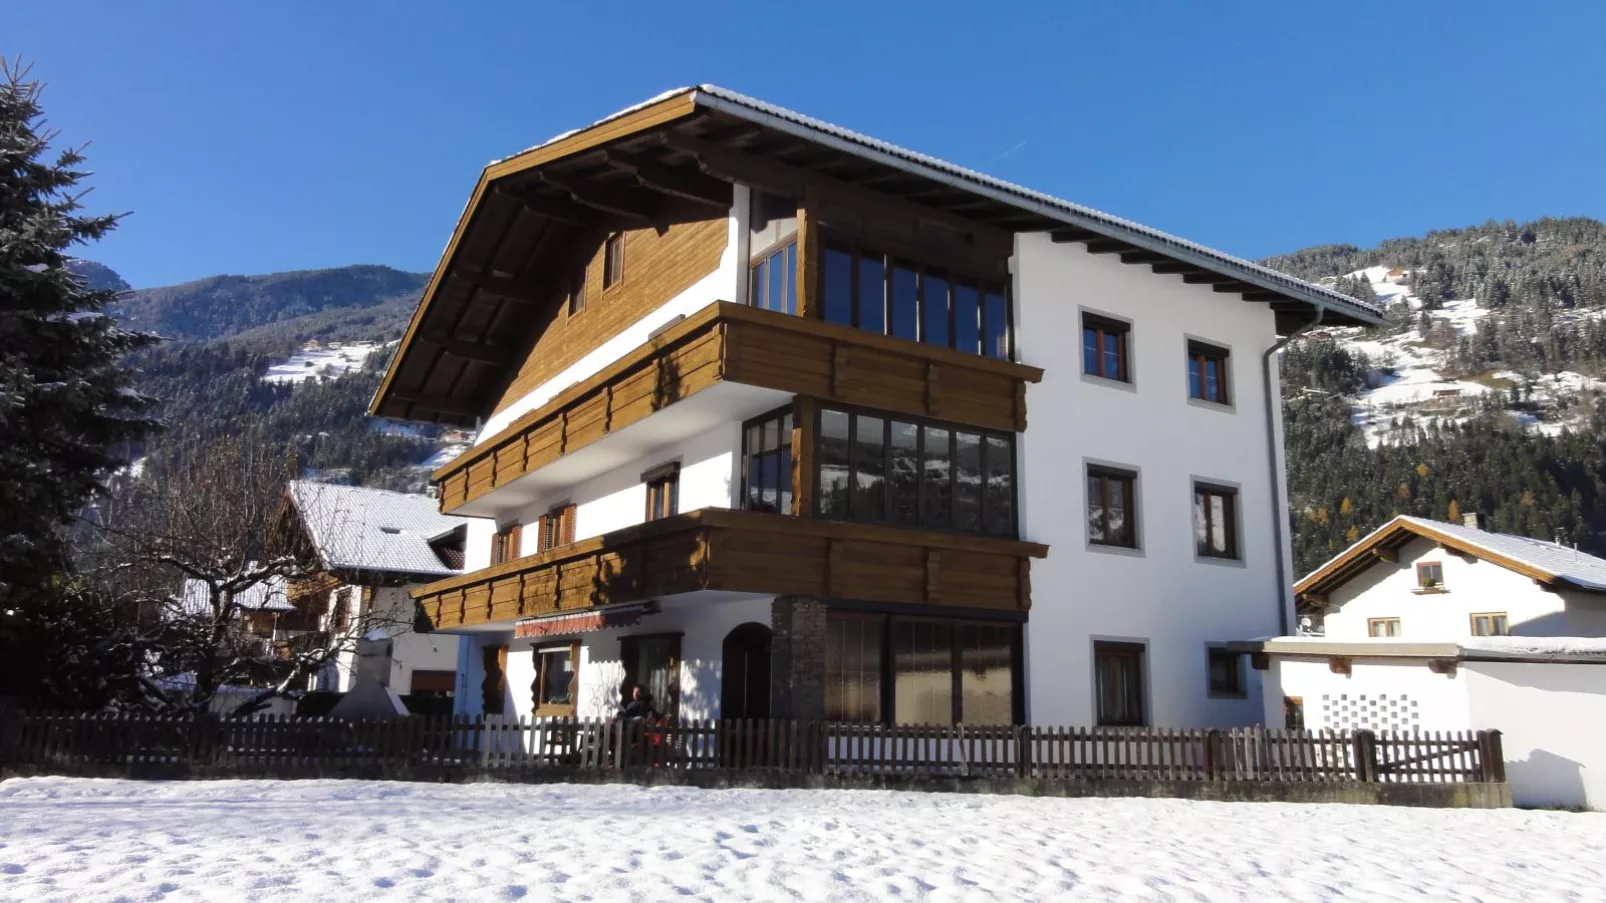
285 746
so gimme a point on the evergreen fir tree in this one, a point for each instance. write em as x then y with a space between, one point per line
65 402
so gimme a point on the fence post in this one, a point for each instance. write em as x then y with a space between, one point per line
1212 755
1492 757
10 729
1363 744
1023 752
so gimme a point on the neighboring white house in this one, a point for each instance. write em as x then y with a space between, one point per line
1431 626
376 545
848 471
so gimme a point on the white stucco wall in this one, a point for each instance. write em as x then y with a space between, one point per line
703 626
1377 694
1389 590
1161 595
409 651
1552 719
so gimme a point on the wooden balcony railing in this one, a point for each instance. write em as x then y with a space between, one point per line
735 343
741 551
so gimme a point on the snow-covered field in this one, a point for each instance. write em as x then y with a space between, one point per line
322 362
67 839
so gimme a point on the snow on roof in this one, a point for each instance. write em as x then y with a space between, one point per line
1566 563
269 595
739 104
1535 646
374 529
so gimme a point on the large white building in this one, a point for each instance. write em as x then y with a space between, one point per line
752 394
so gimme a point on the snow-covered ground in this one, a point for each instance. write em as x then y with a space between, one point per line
1408 377
321 362
77 840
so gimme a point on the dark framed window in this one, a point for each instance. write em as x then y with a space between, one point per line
1112 507
613 260
663 491
555 528
878 292
577 296
917 670
912 472
1294 713
773 284
1430 575
1207 373
1382 627
1491 624
1118 683
652 662
767 462
1226 673
505 544
557 676
1215 521
1104 347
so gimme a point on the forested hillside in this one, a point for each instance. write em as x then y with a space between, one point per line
1483 395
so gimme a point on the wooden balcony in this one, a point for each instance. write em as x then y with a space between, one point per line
742 551
739 344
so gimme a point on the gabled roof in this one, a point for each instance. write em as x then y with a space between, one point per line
359 529
1551 564
673 158
271 594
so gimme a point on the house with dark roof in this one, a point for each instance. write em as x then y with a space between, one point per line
375 546
776 419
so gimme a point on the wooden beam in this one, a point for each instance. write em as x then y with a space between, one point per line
518 291
629 204
738 166
683 184
444 404
1228 288
550 207
1171 267
468 351
1206 278
1383 554
1107 246
1143 257
810 259
1068 235
1263 296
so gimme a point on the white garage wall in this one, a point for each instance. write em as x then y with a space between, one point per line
1377 694
1552 717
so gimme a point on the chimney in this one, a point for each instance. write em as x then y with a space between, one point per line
1470 519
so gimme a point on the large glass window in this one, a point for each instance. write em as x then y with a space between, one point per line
920 670
868 289
879 470
853 668
554 679
774 285
767 463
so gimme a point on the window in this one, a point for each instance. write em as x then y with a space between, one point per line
653 663
663 491
1491 624
1111 507
505 544
1382 627
767 463
904 670
1104 351
1207 373
914 473
1430 575
555 528
876 292
613 260
1294 713
1118 683
577 296
774 280
1215 521
1226 673
555 673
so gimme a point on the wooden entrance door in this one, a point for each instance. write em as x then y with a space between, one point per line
745 684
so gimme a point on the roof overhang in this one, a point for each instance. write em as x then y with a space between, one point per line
1312 647
674 159
1383 545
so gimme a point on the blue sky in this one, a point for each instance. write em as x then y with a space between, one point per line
256 137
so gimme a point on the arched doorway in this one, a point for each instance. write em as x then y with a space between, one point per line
745 684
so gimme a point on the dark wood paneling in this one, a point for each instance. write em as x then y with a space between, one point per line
741 344
742 551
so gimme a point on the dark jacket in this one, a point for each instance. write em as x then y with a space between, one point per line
639 708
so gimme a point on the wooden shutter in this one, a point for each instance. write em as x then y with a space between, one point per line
543 540
515 542
493 689
566 524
